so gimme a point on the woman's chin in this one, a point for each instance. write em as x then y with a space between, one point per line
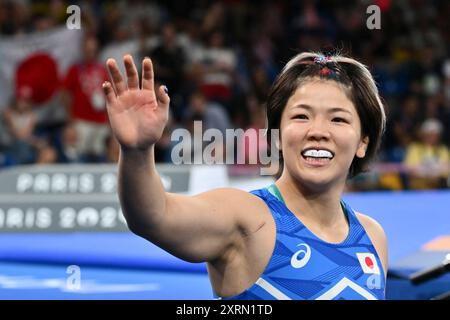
316 181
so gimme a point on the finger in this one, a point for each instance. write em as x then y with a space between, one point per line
132 74
109 92
147 74
163 96
116 77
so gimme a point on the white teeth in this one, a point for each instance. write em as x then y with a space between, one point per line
318 154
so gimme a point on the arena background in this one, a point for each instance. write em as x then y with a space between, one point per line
62 234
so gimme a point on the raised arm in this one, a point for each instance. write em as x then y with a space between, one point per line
198 228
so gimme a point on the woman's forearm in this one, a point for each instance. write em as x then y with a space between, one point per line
141 192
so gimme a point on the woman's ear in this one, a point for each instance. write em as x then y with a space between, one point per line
362 147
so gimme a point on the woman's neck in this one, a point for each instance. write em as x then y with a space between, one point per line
322 207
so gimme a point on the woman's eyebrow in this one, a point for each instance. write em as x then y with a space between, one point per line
331 110
337 109
303 106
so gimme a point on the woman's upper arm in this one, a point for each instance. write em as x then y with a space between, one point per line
202 227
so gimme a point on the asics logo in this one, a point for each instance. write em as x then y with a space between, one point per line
300 263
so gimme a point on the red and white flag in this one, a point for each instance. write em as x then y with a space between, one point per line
368 263
37 61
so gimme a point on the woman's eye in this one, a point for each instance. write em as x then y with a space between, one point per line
337 119
300 116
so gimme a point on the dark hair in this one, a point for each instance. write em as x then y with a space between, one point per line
357 83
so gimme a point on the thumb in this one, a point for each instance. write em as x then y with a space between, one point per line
163 95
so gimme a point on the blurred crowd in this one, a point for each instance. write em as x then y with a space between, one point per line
218 60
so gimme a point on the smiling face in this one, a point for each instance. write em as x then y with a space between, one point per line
320 135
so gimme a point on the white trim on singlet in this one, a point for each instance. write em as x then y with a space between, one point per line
341 285
272 290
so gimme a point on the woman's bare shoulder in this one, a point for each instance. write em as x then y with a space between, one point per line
369 223
248 207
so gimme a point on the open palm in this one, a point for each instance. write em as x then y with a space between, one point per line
137 115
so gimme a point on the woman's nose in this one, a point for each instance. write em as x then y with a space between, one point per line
318 130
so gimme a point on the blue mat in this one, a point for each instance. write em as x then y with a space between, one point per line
115 249
410 219
30 281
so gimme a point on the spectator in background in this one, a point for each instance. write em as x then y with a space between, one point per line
252 145
46 154
402 129
168 58
428 161
20 121
215 17
217 65
15 17
127 28
168 61
446 100
67 146
86 102
110 25
212 114
261 83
